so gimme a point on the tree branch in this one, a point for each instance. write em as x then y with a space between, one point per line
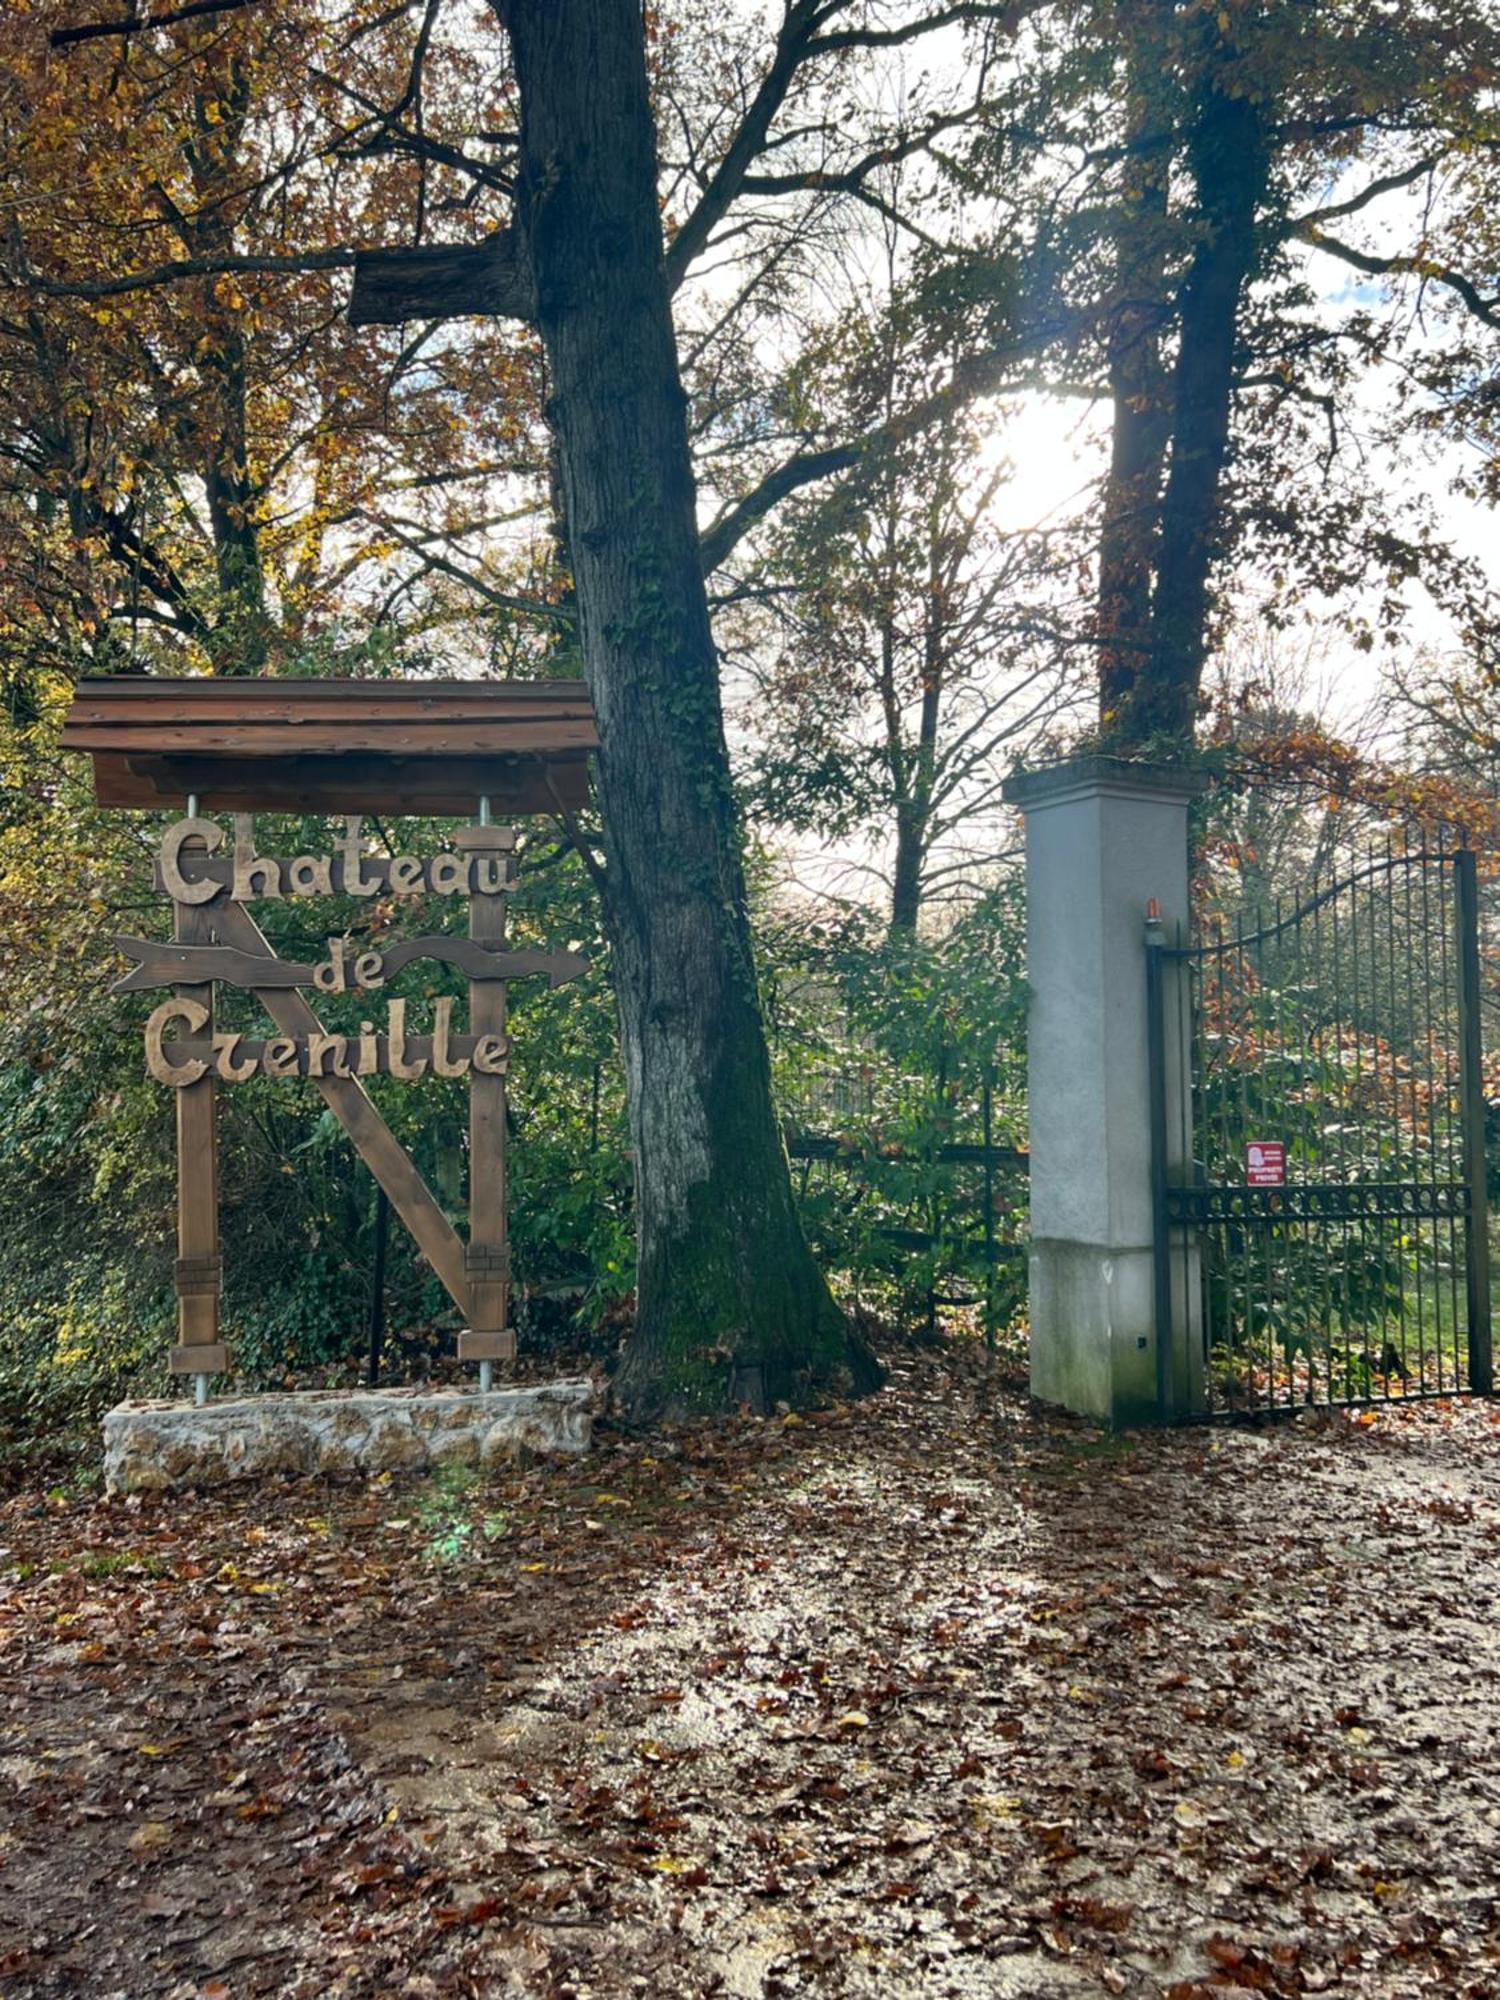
1386 184
175 270
1482 308
141 24
748 143
975 376
966 13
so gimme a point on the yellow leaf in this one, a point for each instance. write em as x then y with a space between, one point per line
998 1806
532 1569
855 1719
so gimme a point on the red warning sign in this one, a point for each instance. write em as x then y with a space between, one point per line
1265 1163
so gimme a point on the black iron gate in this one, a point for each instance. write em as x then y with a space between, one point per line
1317 1079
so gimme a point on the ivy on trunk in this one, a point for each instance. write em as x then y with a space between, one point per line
731 1306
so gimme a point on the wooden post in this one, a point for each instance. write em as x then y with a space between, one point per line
199 1271
488 1336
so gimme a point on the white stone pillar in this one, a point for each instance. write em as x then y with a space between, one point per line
1104 839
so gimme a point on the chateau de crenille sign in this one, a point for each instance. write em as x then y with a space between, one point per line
416 748
476 867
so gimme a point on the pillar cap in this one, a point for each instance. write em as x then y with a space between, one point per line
1094 777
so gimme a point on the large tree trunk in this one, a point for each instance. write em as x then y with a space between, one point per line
1231 168
1135 324
731 1305
241 638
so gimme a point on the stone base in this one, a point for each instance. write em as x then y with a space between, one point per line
151 1447
1093 1333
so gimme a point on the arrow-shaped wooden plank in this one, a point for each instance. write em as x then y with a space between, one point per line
171 964
347 1099
479 963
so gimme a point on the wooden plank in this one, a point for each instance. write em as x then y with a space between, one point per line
297 697
290 726
481 964
166 964
349 1102
130 693
433 787
489 1335
397 735
197 1192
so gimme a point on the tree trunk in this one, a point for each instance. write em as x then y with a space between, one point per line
906 877
731 1305
1230 163
1140 427
914 803
241 639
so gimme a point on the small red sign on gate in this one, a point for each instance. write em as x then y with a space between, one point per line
1265 1163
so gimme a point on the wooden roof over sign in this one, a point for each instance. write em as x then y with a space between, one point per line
335 746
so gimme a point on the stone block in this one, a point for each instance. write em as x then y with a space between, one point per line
156 1446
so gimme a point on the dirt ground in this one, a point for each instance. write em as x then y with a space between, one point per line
921 1698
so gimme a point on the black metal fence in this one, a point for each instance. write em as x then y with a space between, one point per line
1326 1239
913 1185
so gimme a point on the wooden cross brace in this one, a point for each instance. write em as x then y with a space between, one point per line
475 1275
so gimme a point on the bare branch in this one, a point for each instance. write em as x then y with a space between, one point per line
141 24
1009 13
1386 184
748 142
975 376
1424 268
175 270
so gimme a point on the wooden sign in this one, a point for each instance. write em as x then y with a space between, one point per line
217 942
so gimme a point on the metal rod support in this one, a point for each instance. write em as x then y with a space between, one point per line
1471 1095
1161 1255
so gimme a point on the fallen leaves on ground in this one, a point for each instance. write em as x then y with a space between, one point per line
931 1696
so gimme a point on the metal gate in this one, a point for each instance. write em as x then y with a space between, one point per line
1317 1076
